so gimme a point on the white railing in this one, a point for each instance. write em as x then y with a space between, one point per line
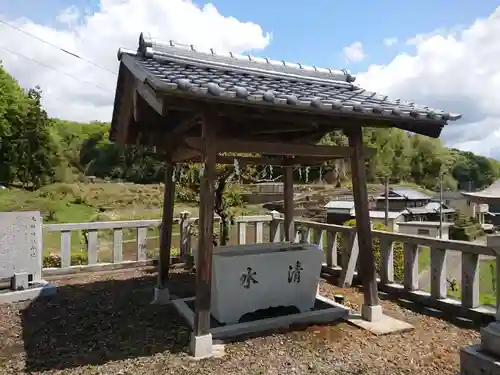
341 261
338 242
144 244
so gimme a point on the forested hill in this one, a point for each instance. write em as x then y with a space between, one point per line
36 150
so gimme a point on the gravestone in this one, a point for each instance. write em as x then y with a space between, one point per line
21 256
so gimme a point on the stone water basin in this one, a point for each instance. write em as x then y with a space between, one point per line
246 278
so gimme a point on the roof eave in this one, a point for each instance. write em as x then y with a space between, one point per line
428 127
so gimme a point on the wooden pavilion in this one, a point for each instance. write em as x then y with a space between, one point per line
194 105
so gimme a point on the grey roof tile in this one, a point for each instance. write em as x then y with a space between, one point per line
169 66
405 193
412 194
431 207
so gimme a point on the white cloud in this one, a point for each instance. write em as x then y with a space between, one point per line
354 52
69 15
388 42
456 70
98 36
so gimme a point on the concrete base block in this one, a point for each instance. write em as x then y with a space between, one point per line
383 326
330 312
46 290
20 281
161 297
473 361
490 339
372 313
201 346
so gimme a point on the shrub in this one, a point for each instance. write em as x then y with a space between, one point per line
53 260
155 253
398 254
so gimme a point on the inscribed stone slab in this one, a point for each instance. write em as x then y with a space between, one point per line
20 244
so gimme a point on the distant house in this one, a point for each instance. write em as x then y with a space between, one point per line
425 228
459 202
429 212
339 211
402 198
415 205
405 205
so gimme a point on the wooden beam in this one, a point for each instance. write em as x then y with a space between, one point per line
149 95
287 128
184 154
262 160
288 203
167 224
125 113
275 148
363 227
135 104
206 222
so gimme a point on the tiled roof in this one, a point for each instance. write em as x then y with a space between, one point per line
338 204
426 223
429 208
406 193
171 67
491 192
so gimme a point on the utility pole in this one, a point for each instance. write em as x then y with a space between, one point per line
386 186
441 205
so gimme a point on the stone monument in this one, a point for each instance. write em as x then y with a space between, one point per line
484 358
21 257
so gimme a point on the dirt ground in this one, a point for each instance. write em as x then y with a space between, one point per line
105 324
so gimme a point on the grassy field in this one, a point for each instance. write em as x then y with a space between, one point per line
487 293
487 272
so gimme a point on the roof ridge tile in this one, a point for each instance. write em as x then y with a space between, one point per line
149 47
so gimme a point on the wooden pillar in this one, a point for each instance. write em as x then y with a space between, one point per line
386 208
288 203
206 222
166 225
360 192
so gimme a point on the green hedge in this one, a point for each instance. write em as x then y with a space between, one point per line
53 260
398 251
80 258
469 233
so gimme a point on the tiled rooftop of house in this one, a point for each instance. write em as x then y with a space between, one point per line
169 66
406 193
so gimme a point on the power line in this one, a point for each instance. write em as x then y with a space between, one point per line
54 69
57 47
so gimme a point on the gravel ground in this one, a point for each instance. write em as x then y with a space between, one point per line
104 324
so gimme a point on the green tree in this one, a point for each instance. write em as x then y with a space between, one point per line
27 152
36 151
12 111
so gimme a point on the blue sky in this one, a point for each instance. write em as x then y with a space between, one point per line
313 32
